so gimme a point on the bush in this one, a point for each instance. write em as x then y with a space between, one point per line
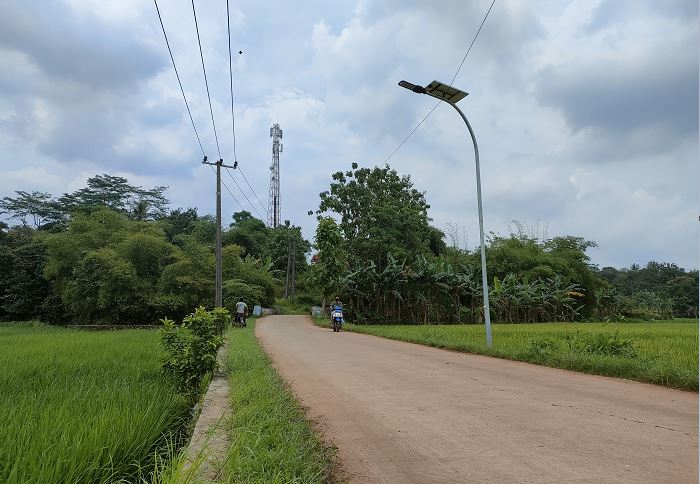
235 290
191 348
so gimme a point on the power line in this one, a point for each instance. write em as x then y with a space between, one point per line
206 83
246 196
473 40
251 189
451 82
227 189
230 71
233 115
178 77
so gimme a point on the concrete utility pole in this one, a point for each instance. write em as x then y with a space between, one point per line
289 263
290 282
218 293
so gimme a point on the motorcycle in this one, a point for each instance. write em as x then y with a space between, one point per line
337 318
239 321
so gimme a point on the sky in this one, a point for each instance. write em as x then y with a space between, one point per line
585 111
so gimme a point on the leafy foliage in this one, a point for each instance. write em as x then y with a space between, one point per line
330 271
113 192
655 291
191 348
23 290
390 265
380 213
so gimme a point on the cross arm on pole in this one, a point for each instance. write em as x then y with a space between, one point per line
216 163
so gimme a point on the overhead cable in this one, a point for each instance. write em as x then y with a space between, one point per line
206 83
451 82
233 116
178 77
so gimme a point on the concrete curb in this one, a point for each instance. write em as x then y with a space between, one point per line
210 442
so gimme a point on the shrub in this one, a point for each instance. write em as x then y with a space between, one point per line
235 290
191 348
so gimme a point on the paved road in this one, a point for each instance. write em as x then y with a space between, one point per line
402 413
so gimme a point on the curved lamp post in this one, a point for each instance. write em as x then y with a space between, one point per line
451 96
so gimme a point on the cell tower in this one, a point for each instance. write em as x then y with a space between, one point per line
273 212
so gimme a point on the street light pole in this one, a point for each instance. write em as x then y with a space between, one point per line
451 96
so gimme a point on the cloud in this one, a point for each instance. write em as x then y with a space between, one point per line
625 78
585 112
80 49
621 95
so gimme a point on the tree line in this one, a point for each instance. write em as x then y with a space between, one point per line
113 253
377 250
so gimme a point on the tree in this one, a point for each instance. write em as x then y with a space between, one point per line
332 262
663 280
684 294
179 222
104 288
248 232
116 193
23 289
380 213
39 207
279 241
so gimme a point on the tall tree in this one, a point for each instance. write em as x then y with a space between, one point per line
380 213
37 208
329 271
115 192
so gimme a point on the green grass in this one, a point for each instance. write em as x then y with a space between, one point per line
287 306
271 440
667 351
81 406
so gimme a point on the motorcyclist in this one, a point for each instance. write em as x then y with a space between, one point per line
241 310
337 305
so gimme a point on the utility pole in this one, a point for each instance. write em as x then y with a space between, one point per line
294 269
218 294
289 264
290 280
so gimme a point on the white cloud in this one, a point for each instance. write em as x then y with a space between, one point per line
329 76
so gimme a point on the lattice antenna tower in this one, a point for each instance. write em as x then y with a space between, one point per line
273 212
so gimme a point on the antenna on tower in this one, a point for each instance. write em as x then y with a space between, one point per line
273 212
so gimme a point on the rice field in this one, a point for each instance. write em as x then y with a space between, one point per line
78 406
663 352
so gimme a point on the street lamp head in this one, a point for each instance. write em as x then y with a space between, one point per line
438 90
445 92
412 87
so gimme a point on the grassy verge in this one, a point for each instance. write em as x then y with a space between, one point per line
664 352
83 406
271 440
